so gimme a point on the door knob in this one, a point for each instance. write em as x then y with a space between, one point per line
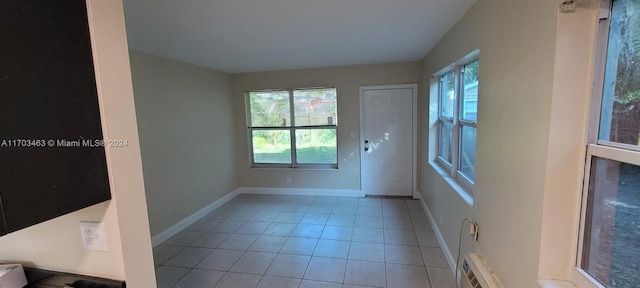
366 148
366 141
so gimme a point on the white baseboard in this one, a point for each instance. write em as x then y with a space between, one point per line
447 252
301 191
193 218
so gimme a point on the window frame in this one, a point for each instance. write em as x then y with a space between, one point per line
596 148
451 120
292 132
452 169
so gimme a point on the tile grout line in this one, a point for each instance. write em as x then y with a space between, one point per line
331 212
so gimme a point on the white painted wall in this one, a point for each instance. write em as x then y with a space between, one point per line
535 77
186 125
347 81
572 90
56 244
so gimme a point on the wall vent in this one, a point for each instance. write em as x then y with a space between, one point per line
476 274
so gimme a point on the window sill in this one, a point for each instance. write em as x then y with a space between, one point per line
294 169
579 279
463 192
544 283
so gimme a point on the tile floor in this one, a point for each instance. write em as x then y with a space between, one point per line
281 241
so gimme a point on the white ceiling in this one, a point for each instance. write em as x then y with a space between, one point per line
266 35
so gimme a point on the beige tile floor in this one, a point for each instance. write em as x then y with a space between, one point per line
281 241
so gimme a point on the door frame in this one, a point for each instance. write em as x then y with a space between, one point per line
414 140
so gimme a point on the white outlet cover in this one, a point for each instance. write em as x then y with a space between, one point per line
568 7
94 236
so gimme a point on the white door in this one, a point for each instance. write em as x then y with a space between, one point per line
387 139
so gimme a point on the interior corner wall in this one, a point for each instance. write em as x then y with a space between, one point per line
517 45
186 126
573 82
56 244
347 81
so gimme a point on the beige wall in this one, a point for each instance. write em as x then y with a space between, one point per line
347 81
186 126
56 244
572 88
534 88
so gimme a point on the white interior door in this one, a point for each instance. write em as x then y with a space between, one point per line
388 139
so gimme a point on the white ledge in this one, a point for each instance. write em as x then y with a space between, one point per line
460 190
544 283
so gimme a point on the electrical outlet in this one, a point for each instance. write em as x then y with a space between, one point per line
474 230
289 180
94 236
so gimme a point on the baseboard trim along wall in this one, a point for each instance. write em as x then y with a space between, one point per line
447 252
193 218
302 191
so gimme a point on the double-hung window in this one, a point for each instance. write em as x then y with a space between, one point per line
293 128
610 232
457 120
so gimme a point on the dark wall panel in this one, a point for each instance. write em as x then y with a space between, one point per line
47 96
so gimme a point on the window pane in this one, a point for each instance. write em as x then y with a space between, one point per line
315 107
611 250
467 160
270 109
447 95
470 92
316 146
445 141
271 146
620 116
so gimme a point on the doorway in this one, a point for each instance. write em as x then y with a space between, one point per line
388 136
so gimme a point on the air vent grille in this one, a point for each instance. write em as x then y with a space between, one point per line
476 274
473 280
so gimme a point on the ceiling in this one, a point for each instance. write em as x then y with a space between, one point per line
266 35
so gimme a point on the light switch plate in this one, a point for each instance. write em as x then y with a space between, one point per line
94 236
568 7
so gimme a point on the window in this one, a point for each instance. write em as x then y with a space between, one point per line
293 128
610 241
457 120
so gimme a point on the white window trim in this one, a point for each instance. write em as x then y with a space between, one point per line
579 275
460 183
462 189
598 148
292 131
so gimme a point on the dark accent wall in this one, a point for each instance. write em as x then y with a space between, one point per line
51 162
